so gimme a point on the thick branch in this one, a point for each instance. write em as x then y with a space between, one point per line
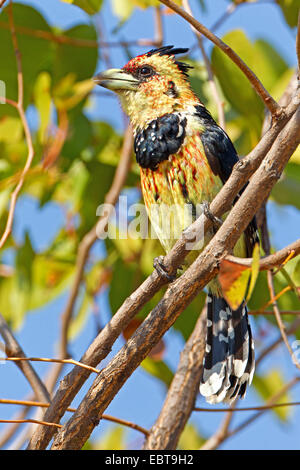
182 393
102 344
107 384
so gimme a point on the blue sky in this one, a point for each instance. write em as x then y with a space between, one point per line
142 397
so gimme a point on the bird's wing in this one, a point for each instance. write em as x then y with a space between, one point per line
222 157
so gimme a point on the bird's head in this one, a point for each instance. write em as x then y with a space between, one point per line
151 85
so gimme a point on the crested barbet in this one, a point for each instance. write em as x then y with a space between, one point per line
184 159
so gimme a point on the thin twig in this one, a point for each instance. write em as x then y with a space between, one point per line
249 408
210 75
28 138
269 102
29 403
29 420
59 361
77 42
270 312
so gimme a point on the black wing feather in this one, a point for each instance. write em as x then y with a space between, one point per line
222 157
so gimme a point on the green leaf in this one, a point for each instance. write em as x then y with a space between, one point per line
80 318
42 100
268 385
36 53
24 260
158 369
114 439
120 290
190 438
78 138
269 63
122 8
77 61
296 272
4 199
290 10
16 290
10 129
235 85
263 59
94 193
260 295
186 322
50 277
90 6
287 189
254 270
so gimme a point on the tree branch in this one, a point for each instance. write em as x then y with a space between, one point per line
269 102
77 430
271 261
182 393
102 344
30 403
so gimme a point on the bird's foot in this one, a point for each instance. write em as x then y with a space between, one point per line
158 264
216 221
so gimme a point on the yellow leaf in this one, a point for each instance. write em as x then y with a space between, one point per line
234 279
254 270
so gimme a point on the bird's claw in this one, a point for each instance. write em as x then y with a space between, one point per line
216 221
158 264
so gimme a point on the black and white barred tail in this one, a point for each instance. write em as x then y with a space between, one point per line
228 364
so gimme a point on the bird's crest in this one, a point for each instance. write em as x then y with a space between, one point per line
172 51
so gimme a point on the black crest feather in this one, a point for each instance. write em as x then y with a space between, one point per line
171 50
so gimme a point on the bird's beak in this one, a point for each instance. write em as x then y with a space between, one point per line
116 79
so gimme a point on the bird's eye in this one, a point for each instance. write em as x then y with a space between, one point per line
146 71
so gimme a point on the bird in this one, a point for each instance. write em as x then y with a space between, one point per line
185 158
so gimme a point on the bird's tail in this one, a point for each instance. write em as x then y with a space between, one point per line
228 364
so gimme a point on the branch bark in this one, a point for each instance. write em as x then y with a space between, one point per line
77 430
102 344
182 393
